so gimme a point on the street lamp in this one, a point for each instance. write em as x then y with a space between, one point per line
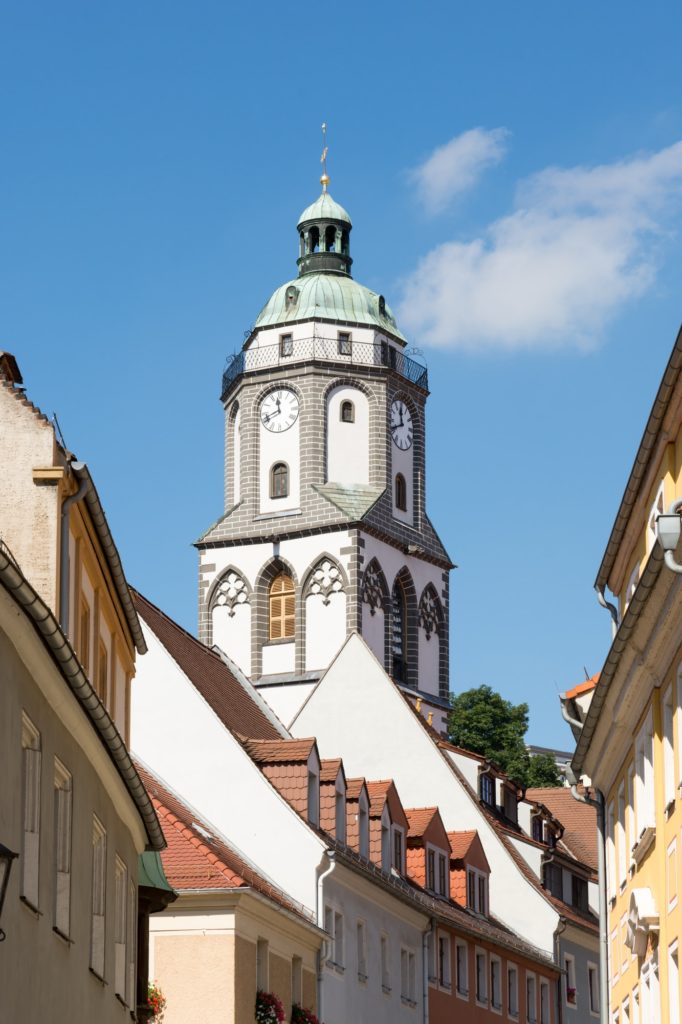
6 858
668 530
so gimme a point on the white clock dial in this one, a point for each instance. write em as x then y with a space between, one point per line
402 430
279 410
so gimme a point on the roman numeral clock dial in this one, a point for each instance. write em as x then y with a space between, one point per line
402 430
279 410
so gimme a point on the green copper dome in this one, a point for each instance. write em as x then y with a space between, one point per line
327 296
324 208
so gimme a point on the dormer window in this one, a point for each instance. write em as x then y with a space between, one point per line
363 829
487 787
398 850
510 804
385 847
537 828
579 893
554 880
313 795
477 891
442 875
340 816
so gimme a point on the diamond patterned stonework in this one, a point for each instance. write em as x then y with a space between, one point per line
326 580
231 592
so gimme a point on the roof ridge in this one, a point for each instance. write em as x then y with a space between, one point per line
176 625
188 834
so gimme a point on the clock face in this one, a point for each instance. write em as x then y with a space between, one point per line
279 410
401 425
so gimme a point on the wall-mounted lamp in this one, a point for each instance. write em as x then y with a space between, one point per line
6 858
668 530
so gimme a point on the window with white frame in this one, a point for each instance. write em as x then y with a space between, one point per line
678 706
635 1006
668 749
339 958
495 982
671 874
431 870
510 805
263 961
398 848
120 927
63 797
98 906
537 827
30 846
593 988
442 875
407 976
544 1002
512 990
621 844
487 789
481 977
132 939
412 978
631 587
673 985
531 999
611 851
385 964
443 960
462 967
296 980
361 936
625 1008
477 891
431 956
630 820
650 997
569 980
644 778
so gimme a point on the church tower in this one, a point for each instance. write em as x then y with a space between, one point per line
325 530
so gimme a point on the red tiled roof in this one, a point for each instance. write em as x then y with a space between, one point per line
585 687
209 674
354 788
329 769
579 821
460 843
378 793
419 819
197 858
279 751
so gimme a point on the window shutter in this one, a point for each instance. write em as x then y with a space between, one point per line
282 608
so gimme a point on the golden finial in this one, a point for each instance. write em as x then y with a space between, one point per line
418 705
324 180
429 720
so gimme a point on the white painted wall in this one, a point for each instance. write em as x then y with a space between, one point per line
468 766
429 662
373 627
282 447
531 854
278 658
286 700
325 629
353 700
347 443
232 633
177 734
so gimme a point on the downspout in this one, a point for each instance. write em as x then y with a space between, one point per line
321 956
64 574
427 968
560 989
611 609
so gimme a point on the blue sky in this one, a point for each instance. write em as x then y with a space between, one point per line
514 183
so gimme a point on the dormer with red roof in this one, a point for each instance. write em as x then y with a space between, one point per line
428 850
469 871
357 816
333 798
388 826
293 768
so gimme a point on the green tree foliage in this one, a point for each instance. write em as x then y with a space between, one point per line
481 720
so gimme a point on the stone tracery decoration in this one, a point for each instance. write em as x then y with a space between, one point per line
325 580
231 592
374 591
430 612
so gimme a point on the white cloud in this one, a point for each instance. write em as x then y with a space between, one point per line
578 245
457 166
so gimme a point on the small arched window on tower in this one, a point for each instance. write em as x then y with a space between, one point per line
347 412
279 480
399 633
314 240
400 493
330 239
282 610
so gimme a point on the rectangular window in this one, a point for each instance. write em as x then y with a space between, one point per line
431 870
412 978
398 851
482 894
481 977
673 985
132 940
339 958
644 778
544 1002
30 846
103 674
620 835
569 978
668 750
579 893
340 815
313 798
84 636
385 965
656 510
444 960
630 820
345 343
403 975
329 928
671 871
296 980
554 880
531 999
120 927
442 875
99 877
626 1011
471 889
263 961
610 852
496 982
537 829
63 802
286 345
593 987
488 790
462 951
512 990
362 951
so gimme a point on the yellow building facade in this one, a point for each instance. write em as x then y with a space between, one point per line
629 738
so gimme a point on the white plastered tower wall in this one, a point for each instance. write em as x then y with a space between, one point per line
357 712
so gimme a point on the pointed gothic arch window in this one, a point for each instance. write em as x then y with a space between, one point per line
282 610
399 633
279 480
400 493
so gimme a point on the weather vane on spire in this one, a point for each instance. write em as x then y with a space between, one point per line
324 180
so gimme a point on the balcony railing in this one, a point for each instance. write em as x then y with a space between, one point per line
324 350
